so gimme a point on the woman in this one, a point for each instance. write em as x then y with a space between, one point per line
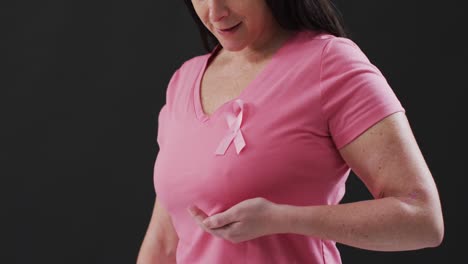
258 136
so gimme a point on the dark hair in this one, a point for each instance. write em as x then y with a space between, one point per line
293 15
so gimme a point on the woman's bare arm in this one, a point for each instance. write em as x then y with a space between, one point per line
406 212
160 242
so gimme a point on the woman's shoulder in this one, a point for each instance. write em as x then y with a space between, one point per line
194 62
186 72
312 38
331 48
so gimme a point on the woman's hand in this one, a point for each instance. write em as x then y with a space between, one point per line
246 220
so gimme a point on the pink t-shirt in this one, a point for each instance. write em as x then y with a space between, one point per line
278 139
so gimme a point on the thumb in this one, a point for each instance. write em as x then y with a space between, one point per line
219 220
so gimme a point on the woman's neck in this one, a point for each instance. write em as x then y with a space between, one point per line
254 55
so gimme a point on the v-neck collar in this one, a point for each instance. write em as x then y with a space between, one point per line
200 114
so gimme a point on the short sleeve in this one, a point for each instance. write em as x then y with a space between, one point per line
354 93
159 137
170 94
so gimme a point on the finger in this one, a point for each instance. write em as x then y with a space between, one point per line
198 215
226 231
219 220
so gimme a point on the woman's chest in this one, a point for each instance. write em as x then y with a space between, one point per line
221 84
287 145
282 152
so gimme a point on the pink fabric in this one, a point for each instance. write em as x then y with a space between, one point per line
234 133
278 139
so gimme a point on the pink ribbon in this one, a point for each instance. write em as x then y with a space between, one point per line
234 132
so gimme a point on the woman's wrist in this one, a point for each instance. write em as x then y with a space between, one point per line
285 219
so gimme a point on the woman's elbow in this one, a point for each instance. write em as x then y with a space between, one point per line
427 224
434 223
437 231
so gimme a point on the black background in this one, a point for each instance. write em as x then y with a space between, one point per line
82 85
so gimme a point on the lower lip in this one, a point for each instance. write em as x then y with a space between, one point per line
229 32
